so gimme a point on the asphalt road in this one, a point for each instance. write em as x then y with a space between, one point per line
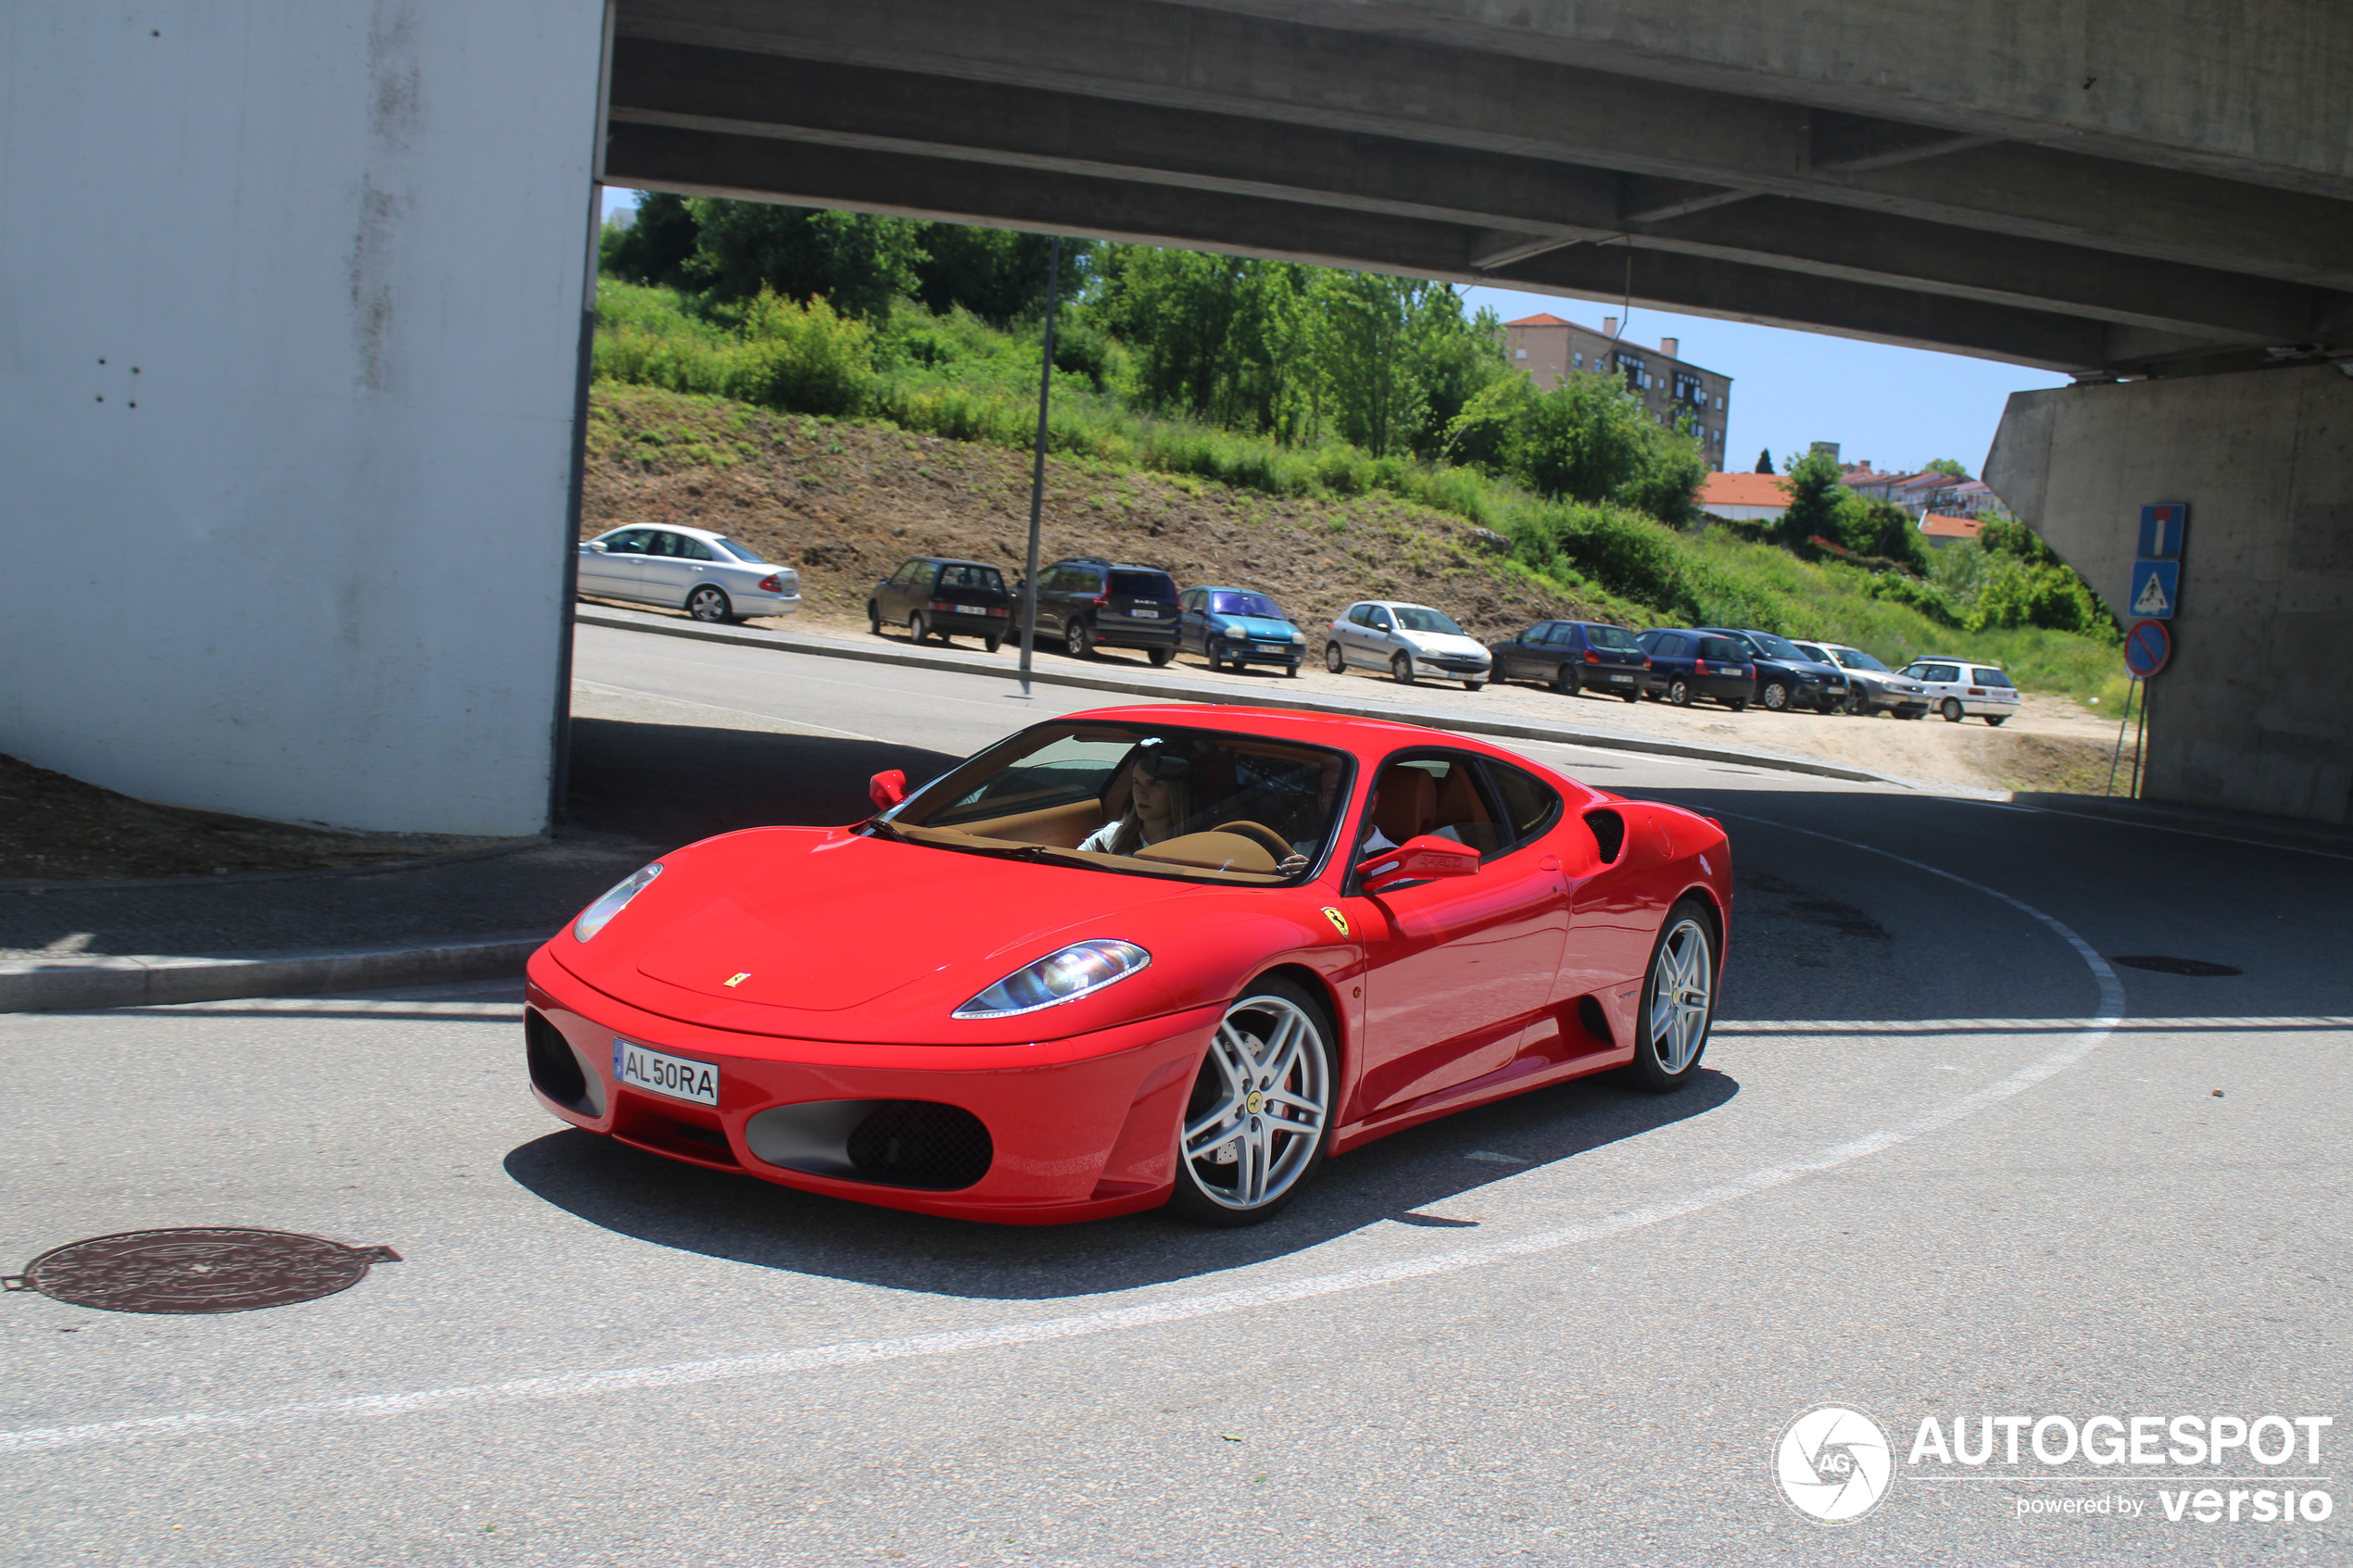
1948 1160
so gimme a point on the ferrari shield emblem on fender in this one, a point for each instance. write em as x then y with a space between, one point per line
738 980
1340 921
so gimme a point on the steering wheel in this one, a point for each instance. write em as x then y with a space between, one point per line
1266 838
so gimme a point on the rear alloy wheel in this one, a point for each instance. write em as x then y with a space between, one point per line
1402 666
1334 661
1634 695
1995 719
1079 640
1775 695
873 618
1472 685
1679 1002
1260 1114
1567 680
709 603
917 627
1679 691
1951 708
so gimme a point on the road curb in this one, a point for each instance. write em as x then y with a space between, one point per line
742 636
309 873
75 983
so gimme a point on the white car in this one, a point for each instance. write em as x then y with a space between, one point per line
708 575
1961 687
1871 687
1409 640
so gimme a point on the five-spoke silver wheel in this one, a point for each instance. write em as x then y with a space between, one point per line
1679 999
1261 1110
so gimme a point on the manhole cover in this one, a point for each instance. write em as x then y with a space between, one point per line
2174 966
198 1270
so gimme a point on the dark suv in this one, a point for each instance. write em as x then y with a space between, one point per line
1089 603
1574 656
1786 678
933 596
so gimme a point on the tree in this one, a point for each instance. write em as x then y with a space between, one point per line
1589 439
1764 460
995 273
857 261
1950 468
1815 494
656 247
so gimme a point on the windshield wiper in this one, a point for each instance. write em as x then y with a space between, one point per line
881 828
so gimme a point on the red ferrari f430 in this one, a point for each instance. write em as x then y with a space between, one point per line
1138 957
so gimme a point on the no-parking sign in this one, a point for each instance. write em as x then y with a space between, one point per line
2146 647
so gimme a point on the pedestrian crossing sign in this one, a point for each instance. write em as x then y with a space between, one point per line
2156 589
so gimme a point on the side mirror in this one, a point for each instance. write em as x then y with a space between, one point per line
1417 859
597 545
887 789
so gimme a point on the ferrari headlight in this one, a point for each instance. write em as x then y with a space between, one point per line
1081 969
616 899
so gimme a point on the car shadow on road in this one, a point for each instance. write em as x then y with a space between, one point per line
1429 1176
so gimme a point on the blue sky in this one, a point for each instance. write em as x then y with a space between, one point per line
1897 406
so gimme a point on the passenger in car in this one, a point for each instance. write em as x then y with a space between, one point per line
1158 804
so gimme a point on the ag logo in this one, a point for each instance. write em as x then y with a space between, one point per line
738 980
1340 921
1833 1464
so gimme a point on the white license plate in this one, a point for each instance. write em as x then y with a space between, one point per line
1145 614
635 1067
1269 647
1621 677
971 609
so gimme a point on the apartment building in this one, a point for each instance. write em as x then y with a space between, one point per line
1550 349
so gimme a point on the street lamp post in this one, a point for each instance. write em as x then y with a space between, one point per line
1038 461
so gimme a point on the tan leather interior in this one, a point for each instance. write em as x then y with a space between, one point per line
1063 826
1214 851
1408 804
1458 800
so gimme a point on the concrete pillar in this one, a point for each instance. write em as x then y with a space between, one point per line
290 306
2256 711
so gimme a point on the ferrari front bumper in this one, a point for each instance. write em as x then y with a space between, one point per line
1037 1134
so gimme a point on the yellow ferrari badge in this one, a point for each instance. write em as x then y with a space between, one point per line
738 980
1340 921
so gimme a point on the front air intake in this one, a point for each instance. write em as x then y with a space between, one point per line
554 1066
900 1143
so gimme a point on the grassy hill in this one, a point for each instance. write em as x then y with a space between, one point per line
843 447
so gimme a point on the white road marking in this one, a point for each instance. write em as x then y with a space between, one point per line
1151 1314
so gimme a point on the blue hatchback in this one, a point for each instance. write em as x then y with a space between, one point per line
1239 627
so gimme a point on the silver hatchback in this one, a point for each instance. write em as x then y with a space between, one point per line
708 575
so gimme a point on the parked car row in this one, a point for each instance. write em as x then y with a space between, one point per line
1086 602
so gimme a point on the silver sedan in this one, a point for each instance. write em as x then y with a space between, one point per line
708 575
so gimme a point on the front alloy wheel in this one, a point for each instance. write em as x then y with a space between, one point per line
1259 1115
1679 1002
1077 640
1775 696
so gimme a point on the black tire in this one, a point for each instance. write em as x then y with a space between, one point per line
1334 661
990 642
1774 695
873 618
709 604
1635 696
1679 691
1472 685
1262 1015
1291 670
1666 1058
1079 640
1401 665
1858 705
1160 657
1951 710
1568 681
1996 719
917 627
1738 705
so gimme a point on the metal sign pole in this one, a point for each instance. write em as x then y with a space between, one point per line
2123 722
1037 463
2140 743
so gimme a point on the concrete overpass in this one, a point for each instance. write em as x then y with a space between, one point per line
2156 192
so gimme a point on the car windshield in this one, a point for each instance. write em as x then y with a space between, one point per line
1414 617
1856 658
1160 800
1229 601
1611 637
1774 647
729 548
